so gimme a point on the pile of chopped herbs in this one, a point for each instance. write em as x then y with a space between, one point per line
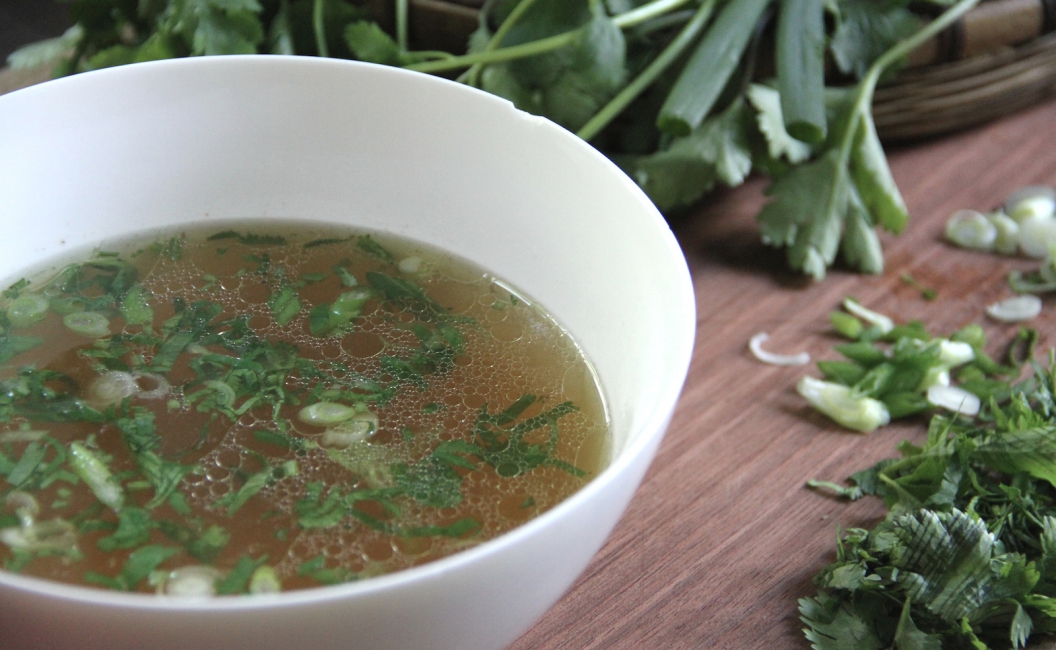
966 556
683 94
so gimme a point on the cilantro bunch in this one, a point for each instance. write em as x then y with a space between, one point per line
683 94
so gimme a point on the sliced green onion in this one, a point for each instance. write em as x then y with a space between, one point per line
161 386
225 395
1007 240
1037 235
935 376
24 505
57 535
112 387
264 581
971 229
1016 309
191 582
94 472
348 433
1033 201
710 67
954 399
955 353
22 435
846 325
64 306
326 413
88 323
756 347
410 265
27 310
840 404
881 322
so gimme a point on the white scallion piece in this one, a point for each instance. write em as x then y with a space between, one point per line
264 581
52 536
22 435
881 322
971 229
111 387
411 264
1007 241
955 353
191 582
837 402
1016 309
954 399
1037 236
326 413
94 472
755 344
1034 200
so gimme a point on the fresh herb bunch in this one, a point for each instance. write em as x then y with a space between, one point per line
672 90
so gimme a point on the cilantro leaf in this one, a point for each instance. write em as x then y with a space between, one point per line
716 150
807 212
865 30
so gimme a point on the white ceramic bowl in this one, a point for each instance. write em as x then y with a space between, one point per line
113 152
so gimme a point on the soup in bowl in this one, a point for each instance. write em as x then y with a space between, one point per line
340 199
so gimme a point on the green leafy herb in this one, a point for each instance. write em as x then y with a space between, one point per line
967 554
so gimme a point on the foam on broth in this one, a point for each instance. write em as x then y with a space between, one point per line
476 411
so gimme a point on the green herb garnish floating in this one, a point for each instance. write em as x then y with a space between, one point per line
664 87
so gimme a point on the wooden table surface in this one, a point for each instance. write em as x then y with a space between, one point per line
722 537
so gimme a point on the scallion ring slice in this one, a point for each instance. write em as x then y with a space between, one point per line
161 386
264 581
225 395
326 413
1037 236
971 229
87 323
27 310
1031 201
1016 309
756 346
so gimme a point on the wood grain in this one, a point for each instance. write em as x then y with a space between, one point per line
722 537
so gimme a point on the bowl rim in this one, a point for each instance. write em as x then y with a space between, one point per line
653 423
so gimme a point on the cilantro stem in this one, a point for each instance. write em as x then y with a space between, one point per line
319 28
401 25
864 99
473 74
646 12
623 21
902 49
645 79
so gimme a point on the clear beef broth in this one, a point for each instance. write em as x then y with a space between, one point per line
307 406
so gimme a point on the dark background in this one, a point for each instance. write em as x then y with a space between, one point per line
26 21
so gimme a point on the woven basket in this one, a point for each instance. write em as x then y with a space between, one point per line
947 97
